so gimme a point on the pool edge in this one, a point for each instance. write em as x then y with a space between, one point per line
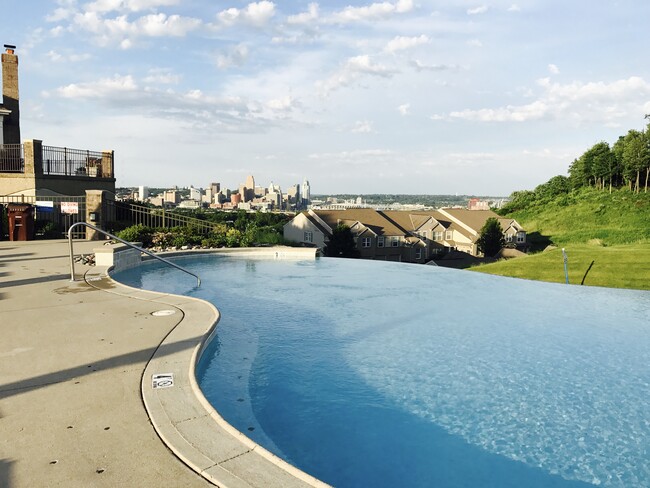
181 415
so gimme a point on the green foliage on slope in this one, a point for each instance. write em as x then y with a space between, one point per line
610 230
580 216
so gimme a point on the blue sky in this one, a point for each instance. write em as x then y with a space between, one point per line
397 96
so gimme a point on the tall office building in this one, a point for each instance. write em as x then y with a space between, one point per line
305 194
242 192
143 193
195 194
250 189
215 188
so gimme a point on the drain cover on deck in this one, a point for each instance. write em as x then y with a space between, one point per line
163 313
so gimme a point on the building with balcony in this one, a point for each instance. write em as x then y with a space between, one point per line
49 176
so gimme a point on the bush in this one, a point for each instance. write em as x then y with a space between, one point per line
138 233
48 230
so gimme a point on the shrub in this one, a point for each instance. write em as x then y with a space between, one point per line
48 230
137 233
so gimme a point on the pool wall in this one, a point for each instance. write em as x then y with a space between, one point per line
185 421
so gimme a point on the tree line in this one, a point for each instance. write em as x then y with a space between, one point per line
625 164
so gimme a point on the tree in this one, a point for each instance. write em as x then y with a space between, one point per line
490 239
602 164
636 157
342 243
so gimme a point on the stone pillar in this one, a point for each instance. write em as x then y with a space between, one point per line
10 97
33 151
107 164
94 200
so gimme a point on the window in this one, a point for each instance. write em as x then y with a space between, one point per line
449 235
309 236
380 241
365 241
418 253
394 241
521 237
509 237
438 236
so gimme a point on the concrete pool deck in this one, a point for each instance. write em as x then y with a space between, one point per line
76 360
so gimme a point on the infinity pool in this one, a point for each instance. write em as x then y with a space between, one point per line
385 374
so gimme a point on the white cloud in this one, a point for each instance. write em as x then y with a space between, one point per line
162 76
474 43
553 69
363 64
99 89
158 25
418 65
400 43
57 57
372 11
514 8
57 31
404 108
353 69
284 104
256 13
104 6
60 14
362 127
305 17
191 108
119 30
578 102
477 10
235 56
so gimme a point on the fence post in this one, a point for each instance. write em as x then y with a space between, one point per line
33 153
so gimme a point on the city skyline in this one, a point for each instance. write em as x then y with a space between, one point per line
427 97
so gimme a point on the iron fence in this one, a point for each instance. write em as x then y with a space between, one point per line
12 158
134 214
71 162
54 215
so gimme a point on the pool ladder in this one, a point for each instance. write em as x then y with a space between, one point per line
123 242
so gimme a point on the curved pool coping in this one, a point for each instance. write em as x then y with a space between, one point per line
181 415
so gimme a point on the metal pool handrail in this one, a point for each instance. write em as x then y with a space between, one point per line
123 242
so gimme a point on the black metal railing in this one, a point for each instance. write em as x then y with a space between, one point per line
12 158
134 214
76 162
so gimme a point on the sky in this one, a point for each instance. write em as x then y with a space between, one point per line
478 97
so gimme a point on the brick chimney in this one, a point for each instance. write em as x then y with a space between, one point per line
11 124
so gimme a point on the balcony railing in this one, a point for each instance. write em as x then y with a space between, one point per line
12 158
77 162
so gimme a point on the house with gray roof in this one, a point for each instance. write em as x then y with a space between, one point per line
391 235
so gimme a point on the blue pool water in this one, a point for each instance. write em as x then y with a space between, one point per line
384 374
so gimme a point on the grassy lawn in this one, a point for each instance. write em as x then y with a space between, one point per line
616 266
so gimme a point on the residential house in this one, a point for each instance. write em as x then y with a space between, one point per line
414 237
467 224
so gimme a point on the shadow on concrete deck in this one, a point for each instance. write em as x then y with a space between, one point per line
143 355
5 472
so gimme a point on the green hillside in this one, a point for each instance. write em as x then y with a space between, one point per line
610 230
620 217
